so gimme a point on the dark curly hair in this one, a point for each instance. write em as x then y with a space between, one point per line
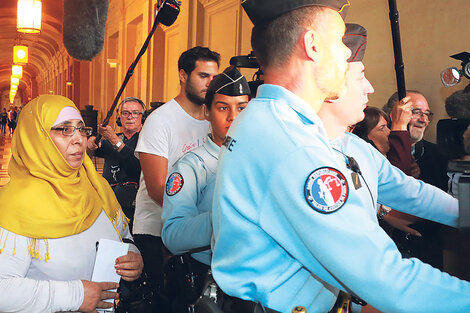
187 60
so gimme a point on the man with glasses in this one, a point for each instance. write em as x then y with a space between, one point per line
431 168
121 167
431 164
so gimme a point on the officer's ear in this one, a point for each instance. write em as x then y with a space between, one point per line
311 43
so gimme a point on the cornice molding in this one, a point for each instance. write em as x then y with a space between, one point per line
207 2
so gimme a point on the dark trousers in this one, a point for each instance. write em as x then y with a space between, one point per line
151 249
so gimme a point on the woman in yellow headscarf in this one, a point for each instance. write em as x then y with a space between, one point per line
53 211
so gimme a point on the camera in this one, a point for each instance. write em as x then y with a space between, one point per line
249 61
450 136
450 131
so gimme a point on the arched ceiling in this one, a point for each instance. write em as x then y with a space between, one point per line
42 46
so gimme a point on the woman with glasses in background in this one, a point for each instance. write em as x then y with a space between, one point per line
54 210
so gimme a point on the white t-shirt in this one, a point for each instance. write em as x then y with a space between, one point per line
168 132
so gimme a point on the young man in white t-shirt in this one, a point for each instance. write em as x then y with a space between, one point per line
170 131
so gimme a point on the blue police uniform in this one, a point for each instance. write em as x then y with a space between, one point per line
187 202
290 227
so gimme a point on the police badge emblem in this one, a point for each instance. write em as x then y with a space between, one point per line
326 190
174 184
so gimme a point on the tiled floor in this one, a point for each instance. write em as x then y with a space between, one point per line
5 154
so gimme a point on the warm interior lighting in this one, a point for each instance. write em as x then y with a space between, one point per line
15 80
68 83
51 92
29 16
113 63
20 54
17 71
12 95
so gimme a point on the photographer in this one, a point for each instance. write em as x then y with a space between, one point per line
121 167
456 251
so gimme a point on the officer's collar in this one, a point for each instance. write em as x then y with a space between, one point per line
211 147
306 113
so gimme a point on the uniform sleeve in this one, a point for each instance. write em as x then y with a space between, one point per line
154 137
409 195
27 295
347 248
185 227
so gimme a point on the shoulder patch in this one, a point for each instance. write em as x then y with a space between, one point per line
174 184
326 190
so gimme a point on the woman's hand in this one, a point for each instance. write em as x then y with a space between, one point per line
401 114
95 293
129 266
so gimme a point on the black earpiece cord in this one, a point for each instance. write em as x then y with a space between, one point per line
352 164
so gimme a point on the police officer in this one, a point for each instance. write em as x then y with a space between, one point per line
190 185
291 224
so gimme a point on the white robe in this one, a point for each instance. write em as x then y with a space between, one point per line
30 285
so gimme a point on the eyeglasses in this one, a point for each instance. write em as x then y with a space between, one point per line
135 114
418 113
70 130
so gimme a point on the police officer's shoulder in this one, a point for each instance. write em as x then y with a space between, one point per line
191 159
363 145
189 168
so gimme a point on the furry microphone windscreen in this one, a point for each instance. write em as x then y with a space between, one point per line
458 104
84 26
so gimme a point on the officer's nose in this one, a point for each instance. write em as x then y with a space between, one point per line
232 115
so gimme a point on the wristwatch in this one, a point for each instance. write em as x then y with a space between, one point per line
118 145
384 210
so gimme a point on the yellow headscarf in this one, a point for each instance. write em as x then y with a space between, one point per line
46 197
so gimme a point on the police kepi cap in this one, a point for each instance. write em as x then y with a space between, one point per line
260 11
230 83
355 39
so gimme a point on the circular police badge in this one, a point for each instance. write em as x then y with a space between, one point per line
326 190
174 184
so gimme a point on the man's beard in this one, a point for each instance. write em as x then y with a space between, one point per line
417 134
192 94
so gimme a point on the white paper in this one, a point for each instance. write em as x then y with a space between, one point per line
104 271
